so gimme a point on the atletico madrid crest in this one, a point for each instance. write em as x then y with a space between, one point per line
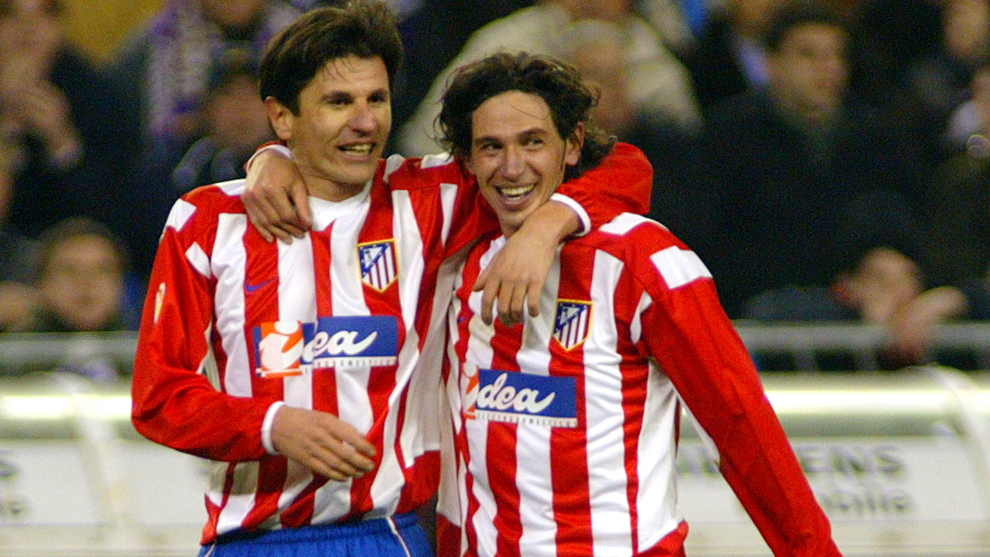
573 318
379 266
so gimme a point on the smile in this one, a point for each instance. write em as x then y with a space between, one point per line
358 149
515 192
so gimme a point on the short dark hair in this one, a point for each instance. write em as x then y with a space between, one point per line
559 84
363 28
53 237
796 13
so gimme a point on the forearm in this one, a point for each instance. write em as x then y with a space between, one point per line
553 221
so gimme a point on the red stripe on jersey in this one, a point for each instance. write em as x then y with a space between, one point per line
502 469
300 512
571 498
635 378
261 280
379 228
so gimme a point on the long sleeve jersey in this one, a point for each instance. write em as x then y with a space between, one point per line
348 320
566 426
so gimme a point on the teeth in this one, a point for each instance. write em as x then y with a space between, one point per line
362 149
516 191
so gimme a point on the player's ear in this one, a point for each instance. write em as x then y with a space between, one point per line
573 145
281 118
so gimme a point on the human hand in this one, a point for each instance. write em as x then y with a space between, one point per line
516 277
17 301
19 72
322 442
276 198
913 327
47 112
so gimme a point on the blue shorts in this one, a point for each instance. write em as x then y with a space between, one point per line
398 536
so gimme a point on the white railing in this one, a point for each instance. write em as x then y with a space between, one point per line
801 342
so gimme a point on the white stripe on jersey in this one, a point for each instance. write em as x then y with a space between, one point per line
607 482
622 224
657 501
296 287
180 214
679 267
228 266
198 260
240 500
533 446
448 195
481 353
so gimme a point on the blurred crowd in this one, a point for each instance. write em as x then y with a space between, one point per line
828 160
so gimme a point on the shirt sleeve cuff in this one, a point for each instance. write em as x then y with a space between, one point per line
277 147
266 427
577 208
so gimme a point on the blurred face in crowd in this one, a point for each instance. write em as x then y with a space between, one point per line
967 29
883 283
30 36
518 156
598 60
83 282
236 116
808 73
345 115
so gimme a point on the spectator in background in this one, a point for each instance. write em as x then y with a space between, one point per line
593 47
956 222
800 175
80 277
426 57
957 208
730 57
55 115
938 84
234 124
164 69
80 287
677 21
658 82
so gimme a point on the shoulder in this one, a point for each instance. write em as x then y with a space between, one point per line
402 173
629 236
207 203
649 250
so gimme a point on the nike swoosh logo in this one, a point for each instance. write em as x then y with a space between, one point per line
252 287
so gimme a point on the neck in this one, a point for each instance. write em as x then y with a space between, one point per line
329 190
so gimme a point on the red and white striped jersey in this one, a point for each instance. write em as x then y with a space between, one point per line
337 321
566 427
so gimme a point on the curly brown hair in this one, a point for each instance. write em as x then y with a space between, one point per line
559 84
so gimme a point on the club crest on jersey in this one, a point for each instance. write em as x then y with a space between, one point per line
571 325
287 348
379 266
523 398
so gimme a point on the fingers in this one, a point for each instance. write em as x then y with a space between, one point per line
323 443
341 461
511 301
273 214
300 200
487 296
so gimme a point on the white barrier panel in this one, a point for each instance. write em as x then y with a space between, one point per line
898 460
